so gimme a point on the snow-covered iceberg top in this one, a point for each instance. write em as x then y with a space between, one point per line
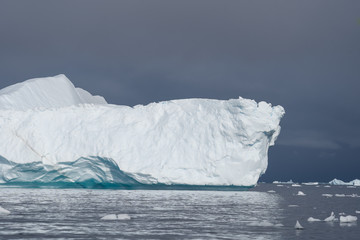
47 92
52 132
355 182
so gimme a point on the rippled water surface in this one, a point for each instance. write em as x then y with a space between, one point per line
253 214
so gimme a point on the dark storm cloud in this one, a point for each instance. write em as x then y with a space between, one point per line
303 55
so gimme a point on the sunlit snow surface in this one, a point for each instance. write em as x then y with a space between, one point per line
253 214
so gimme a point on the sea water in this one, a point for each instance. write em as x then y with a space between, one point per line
267 211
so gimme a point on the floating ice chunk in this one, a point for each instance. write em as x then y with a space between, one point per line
327 186
265 224
293 206
300 193
298 226
279 185
116 217
331 218
355 182
350 187
311 219
296 185
339 195
311 183
3 211
348 219
279 182
271 191
357 212
326 195
342 214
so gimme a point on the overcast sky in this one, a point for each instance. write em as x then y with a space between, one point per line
303 55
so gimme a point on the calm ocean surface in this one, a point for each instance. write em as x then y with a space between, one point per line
155 214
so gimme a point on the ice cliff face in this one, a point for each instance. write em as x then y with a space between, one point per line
52 132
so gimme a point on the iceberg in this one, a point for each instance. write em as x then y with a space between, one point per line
55 134
355 182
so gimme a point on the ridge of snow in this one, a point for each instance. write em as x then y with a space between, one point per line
49 92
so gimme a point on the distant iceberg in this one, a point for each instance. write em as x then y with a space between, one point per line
355 182
52 133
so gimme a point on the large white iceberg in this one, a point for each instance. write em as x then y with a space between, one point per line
52 132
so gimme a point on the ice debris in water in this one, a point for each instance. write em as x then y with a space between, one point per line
3 211
331 218
340 195
300 193
265 224
271 191
296 185
357 212
116 217
311 219
348 219
298 226
310 183
327 195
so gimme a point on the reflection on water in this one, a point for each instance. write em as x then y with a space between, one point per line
41 213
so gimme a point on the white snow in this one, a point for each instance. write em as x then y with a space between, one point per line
311 219
298 226
3 211
300 193
191 141
355 182
348 219
331 218
116 217
47 92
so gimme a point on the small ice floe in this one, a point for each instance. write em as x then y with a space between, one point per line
279 185
339 195
348 219
331 218
271 191
342 214
357 212
293 205
326 195
350 187
352 195
116 217
3 211
300 193
265 224
311 219
296 185
311 183
327 186
298 226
